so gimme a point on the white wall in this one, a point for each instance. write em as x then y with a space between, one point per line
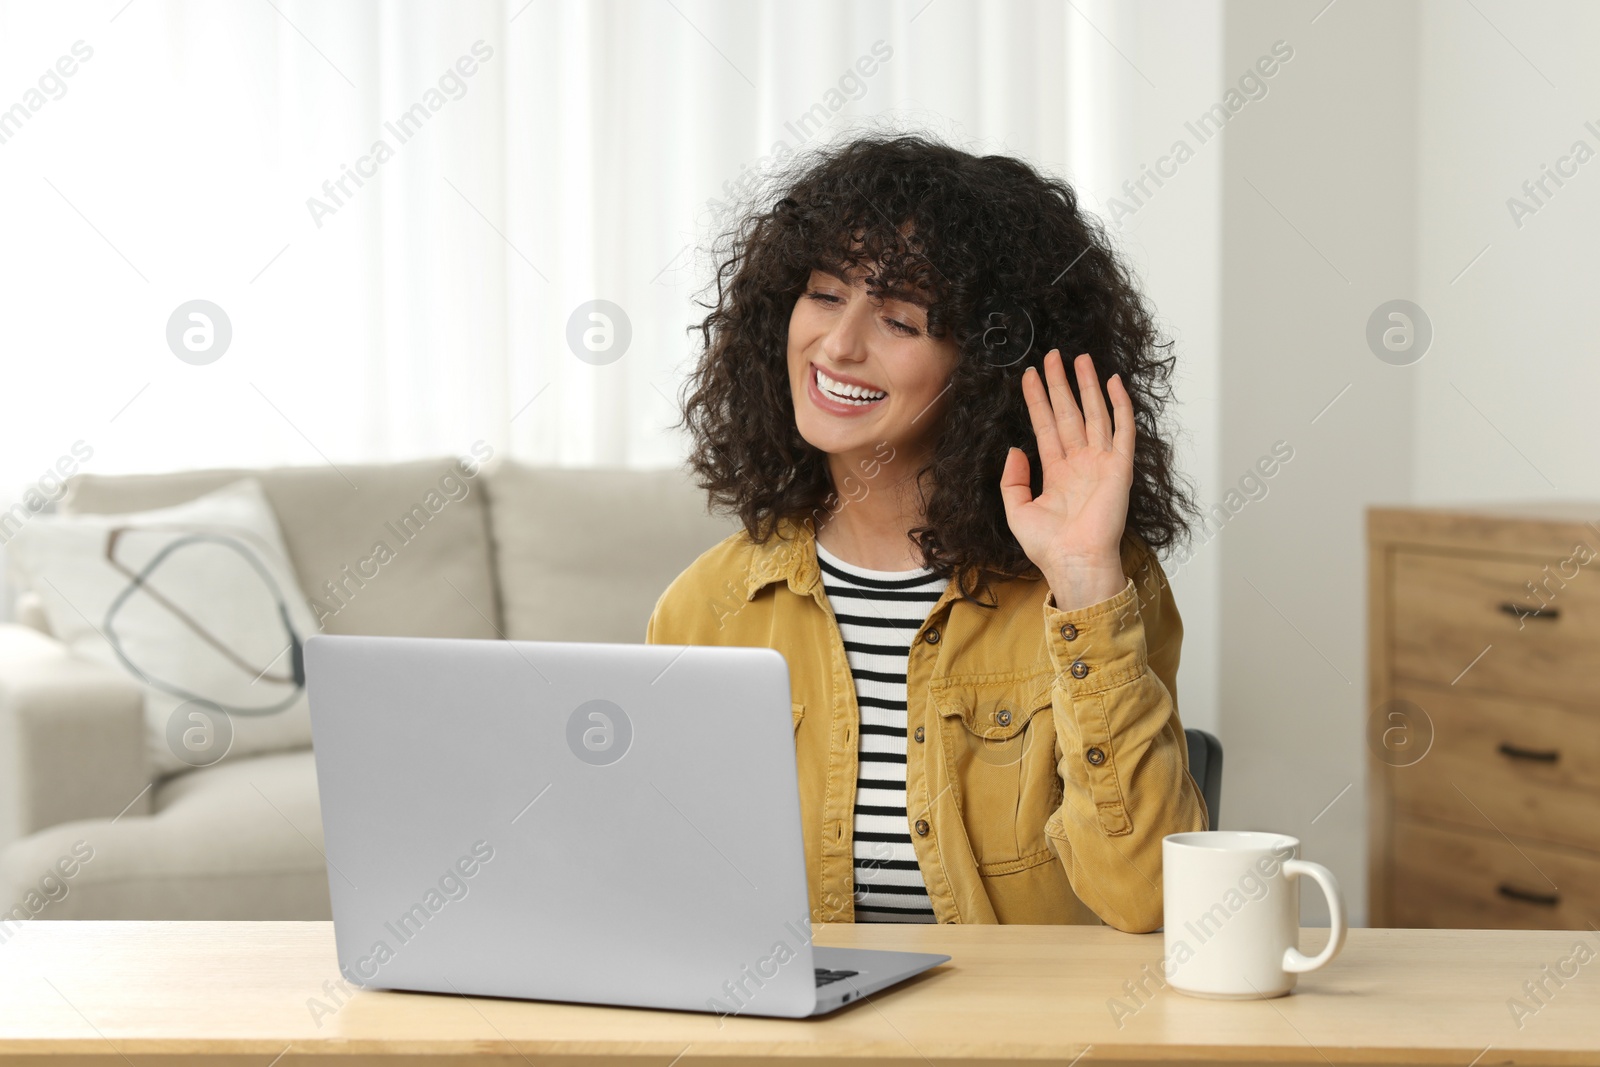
1319 193
1380 167
1505 401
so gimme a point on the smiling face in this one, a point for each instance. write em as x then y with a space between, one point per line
864 372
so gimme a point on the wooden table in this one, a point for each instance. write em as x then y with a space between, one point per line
241 993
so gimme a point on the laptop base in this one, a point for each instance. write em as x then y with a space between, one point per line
876 969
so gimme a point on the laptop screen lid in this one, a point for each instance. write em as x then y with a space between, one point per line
601 823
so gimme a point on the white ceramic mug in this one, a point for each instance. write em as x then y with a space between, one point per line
1232 905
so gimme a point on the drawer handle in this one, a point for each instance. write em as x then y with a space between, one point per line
1512 751
1521 612
1548 900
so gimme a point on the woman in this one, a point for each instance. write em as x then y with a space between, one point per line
952 547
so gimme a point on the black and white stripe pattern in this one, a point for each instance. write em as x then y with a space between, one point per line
879 613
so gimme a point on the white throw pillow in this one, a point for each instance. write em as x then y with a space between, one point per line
200 602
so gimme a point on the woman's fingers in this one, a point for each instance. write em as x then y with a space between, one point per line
1042 417
1097 421
1122 404
1068 419
1060 425
1016 489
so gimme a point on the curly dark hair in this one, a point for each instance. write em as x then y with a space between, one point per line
989 242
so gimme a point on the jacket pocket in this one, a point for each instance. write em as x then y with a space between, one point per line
799 713
998 739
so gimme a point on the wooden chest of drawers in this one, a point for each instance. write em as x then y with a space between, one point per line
1483 727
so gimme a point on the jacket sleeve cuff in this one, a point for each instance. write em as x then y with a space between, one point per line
1098 647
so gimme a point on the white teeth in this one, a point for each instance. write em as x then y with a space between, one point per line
848 394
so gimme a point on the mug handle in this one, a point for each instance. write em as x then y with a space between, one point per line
1295 961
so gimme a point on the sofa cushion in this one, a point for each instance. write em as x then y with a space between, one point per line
29 611
239 840
198 602
390 548
71 737
583 554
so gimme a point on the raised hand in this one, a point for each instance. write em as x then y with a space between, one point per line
1072 531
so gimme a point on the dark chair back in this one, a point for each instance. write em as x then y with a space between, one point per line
1205 767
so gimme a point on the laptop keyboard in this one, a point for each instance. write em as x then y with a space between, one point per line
825 976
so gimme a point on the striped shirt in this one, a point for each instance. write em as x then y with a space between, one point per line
879 613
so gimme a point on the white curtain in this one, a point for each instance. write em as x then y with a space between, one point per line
428 307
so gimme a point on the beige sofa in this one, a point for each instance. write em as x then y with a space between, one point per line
527 554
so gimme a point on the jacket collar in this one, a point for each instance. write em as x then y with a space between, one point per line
790 555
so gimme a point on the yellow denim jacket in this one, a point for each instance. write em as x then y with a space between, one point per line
1045 759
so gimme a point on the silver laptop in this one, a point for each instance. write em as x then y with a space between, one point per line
599 823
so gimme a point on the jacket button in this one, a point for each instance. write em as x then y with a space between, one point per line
1079 668
918 734
931 635
1069 631
1003 717
922 827
1095 756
